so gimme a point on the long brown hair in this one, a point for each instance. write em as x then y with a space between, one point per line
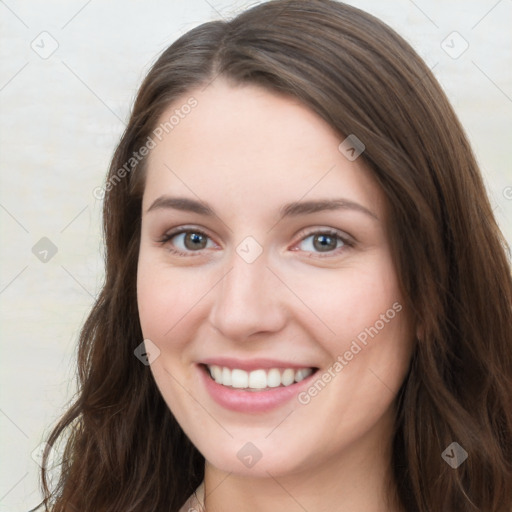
125 451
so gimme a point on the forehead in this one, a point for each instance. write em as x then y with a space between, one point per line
253 147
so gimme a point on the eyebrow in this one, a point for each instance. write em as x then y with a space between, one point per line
288 210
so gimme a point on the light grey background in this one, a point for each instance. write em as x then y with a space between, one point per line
61 116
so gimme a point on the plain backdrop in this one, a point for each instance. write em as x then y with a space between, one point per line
69 74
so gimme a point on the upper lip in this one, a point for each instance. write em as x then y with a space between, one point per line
252 364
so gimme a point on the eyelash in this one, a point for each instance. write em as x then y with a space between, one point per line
330 232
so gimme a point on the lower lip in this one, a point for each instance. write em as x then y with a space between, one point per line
251 401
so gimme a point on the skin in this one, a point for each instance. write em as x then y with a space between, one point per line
247 151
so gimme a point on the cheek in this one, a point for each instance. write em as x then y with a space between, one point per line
165 301
164 296
153 301
346 304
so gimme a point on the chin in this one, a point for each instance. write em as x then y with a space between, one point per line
255 459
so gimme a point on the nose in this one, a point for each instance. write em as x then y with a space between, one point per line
248 301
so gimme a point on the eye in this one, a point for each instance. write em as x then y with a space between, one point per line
186 241
326 241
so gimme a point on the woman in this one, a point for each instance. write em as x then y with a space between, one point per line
307 302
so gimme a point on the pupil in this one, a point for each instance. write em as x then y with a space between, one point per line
326 242
196 240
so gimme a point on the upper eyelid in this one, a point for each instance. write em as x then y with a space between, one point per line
171 233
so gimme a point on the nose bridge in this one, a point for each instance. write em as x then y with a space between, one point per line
245 301
246 280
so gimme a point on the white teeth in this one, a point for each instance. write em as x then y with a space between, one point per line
239 378
288 377
302 374
257 379
226 377
216 373
273 378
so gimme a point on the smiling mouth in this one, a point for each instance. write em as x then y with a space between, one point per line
257 380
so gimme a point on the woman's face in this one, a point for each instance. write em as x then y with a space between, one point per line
264 257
